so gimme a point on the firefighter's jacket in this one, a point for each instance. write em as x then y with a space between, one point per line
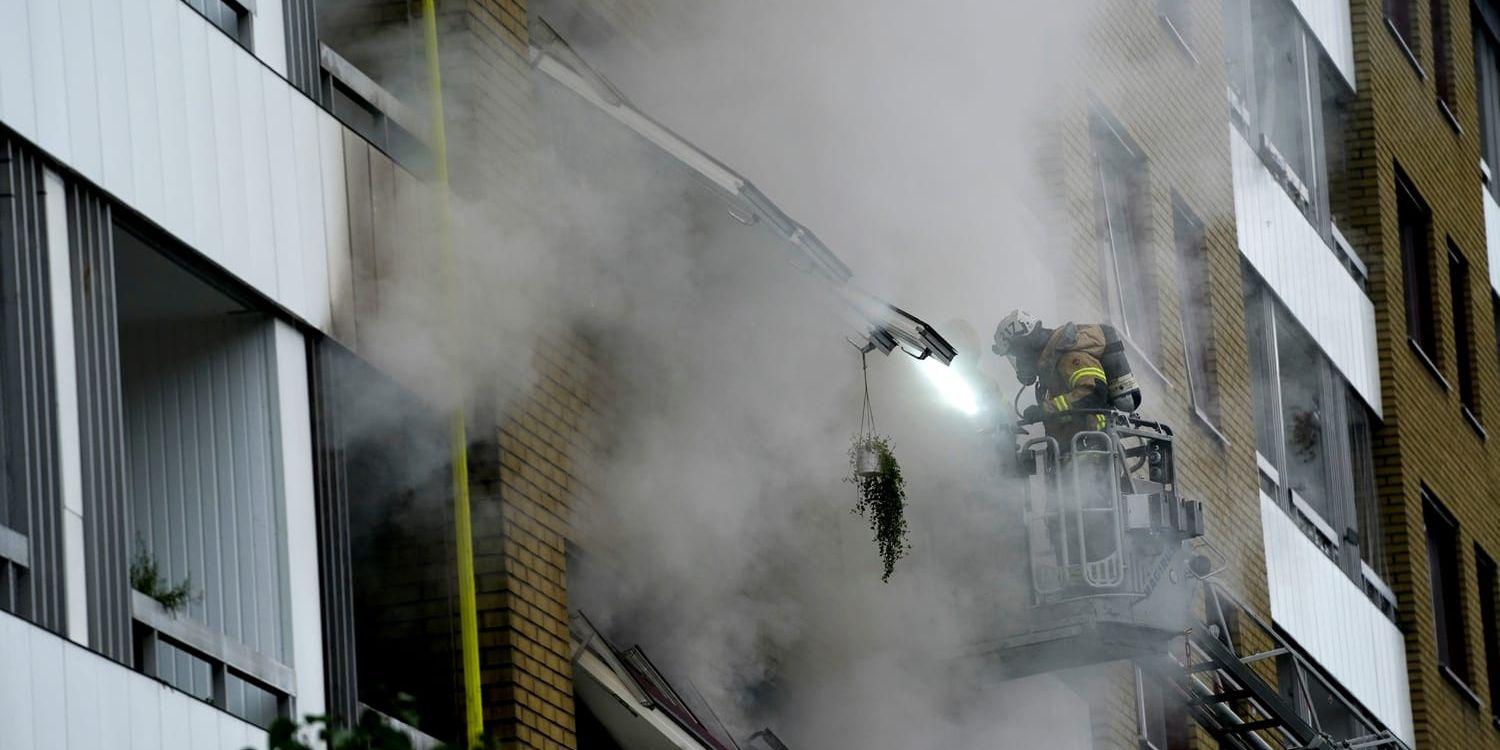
1071 377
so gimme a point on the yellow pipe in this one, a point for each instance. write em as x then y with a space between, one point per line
468 608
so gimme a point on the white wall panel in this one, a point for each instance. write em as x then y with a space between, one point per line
83 87
295 458
1303 272
55 695
1329 21
17 103
1330 617
114 110
1492 236
148 101
48 83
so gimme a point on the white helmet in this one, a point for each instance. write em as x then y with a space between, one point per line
1017 325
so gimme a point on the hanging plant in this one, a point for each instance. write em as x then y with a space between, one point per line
882 497
876 476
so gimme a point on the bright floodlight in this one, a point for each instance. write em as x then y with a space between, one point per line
956 391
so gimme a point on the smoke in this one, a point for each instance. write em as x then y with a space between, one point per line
717 530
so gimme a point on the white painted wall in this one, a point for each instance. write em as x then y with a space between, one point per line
56 695
1330 617
1300 268
150 102
294 461
1492 236
1329 21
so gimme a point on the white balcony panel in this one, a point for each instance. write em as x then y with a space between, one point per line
1292 257
150 102
1492 236
1330 617
1329 21
56 695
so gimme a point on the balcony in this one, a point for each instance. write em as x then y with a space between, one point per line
1307 276
1334 621
55 695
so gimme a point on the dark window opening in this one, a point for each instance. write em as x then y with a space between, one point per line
229 17
1485 566
1196 312
1442 54
1463 342
1366 493
1487 85
1415 222
1130 287
1445 576
1399 13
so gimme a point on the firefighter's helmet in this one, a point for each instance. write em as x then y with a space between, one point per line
1016 326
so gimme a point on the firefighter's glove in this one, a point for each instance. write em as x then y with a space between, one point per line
1032 413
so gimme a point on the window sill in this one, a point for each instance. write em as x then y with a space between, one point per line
1459 685
1473 420
1449 116
1432 368
1176 34
1411 56
1208 426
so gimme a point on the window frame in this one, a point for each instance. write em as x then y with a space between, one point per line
1312 64
1459 284
1414 233
1484 22
1487 578
1338 534
1164 715
1195 295
1114 150
1443 537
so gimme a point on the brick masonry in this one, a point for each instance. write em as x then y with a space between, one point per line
1425 439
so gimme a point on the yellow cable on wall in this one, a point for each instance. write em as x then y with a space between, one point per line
458 435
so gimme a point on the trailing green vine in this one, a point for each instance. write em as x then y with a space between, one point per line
881 498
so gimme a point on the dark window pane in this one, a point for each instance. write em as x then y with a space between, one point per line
1260 339
1442 64
1281 85
1463 343
1447 598
1399 11
1304 416
1486 570
1413 220
1487 91
1366 495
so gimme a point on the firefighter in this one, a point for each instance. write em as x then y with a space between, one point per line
1067 364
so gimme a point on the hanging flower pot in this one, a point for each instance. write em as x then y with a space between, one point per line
866 458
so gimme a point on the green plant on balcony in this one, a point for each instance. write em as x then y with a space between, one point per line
146 578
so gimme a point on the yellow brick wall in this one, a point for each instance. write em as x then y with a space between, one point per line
1424 438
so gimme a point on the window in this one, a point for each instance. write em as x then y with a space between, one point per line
1415 223
1463 342
1129 285
1314 437
1485 567
1442 63
1196 309
1399 16
1485 20
1291 103
1443 566
231 17
1161 716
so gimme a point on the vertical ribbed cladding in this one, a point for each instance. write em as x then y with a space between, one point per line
303 67
335 576
101 422
30 498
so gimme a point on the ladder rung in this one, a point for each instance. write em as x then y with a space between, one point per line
1252 726
1224 697
1264 655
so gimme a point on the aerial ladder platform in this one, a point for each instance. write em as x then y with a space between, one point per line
1119 569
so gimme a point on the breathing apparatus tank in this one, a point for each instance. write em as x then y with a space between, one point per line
1124 391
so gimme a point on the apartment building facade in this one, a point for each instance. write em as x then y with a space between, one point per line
203 203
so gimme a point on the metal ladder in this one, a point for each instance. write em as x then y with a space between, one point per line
1228 695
